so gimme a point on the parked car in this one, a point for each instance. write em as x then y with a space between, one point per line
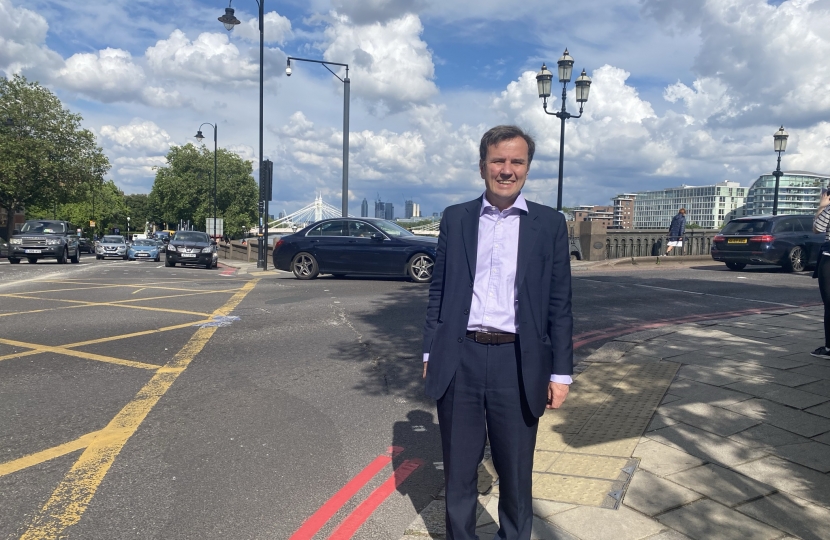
86 245
366 246
144 249
164 236
192 247
111 245
787 241
45 239
162 246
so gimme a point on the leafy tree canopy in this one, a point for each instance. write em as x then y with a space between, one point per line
104 204
183 189
46 158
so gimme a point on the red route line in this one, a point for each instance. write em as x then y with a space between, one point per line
596 335
359 515
313 524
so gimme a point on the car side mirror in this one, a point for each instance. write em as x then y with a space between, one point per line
377 236
16 230
213 242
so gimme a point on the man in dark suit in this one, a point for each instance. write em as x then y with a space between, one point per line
498 346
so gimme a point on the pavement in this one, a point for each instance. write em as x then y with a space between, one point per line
715 429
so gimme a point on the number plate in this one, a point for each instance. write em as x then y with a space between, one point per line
188 255
142 254
32 251
736 241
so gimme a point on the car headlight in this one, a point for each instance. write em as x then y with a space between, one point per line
171 247
16 241
207 249
52 241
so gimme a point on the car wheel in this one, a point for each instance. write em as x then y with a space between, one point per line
157 259
795 260
168 263
305 266
99 257
61 258
32 260
420 268
126 258
735 266
12 260
77 258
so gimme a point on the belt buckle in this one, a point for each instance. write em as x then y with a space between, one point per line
487 338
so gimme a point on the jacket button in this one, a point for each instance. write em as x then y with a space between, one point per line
544 339
460 340
466 312
471 284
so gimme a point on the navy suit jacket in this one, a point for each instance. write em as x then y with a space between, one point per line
543 278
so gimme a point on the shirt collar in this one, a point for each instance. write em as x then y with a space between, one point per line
518 204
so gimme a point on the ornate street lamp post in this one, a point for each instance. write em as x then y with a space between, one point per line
346 93
200 138
230 21
583 87
780 145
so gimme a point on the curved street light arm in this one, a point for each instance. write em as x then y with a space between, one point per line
325 65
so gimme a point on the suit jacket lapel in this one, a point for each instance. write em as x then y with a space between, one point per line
528 233
469 232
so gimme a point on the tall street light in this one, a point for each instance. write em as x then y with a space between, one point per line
229 21
200 138
583 86
780 145
346 97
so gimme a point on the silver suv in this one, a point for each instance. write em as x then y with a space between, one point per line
45 239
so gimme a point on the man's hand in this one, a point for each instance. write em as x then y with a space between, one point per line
557 392
425 370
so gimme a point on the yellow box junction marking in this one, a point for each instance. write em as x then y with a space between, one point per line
71 498
77 354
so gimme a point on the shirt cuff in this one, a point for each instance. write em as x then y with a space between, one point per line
561 379
426 357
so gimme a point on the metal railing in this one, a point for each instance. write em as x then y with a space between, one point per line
648 243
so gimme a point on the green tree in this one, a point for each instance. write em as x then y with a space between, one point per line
110 209
46 158
138 208
183 189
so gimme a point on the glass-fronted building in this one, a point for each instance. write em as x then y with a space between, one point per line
798 193
707 206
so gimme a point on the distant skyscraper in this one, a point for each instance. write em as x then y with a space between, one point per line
282 214
412 210
380 209
364 208
389 211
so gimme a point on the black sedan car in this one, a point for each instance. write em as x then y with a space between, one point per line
366 246
787 241
191 247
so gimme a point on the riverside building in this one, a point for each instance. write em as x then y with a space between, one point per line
798 193
706 206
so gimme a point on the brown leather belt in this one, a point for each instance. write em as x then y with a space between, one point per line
492 338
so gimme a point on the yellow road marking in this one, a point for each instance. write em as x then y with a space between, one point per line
119 303
136 286
79 354
70 499
139 290
45 455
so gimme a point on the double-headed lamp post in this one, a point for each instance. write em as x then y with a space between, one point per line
229 21
200 138
346 96
780 145
583 87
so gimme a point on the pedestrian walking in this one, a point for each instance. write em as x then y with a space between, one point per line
676 231
821 224
498 346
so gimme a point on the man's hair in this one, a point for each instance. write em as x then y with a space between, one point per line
683 211
505 133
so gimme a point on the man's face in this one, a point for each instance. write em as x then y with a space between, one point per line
504 171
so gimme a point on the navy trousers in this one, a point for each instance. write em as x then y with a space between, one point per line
486 399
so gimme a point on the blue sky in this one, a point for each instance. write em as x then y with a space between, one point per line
685 91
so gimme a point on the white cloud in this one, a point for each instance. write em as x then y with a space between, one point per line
210 58
277 28
139 136
110 75
391 67
371 11
22 42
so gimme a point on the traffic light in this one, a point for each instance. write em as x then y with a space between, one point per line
261 206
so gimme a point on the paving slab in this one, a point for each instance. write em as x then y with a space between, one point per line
706 393
645 335
660 421
589 523
819 371
669 535
651 495
663 460
723 485
715 377
821 387
543 530
790 514
765 437
781 416
704 416
789 477
544 509
778 393
814 455
824 438
668 398
706 520
611 351
704 445
821 410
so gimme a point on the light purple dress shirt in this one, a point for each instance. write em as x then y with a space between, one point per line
494 291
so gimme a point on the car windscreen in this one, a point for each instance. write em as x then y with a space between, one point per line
144 242
750 226
43 227
189 236
112 240
392 229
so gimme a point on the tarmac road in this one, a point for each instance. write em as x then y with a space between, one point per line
280 418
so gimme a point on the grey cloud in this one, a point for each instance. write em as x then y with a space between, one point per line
372 11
